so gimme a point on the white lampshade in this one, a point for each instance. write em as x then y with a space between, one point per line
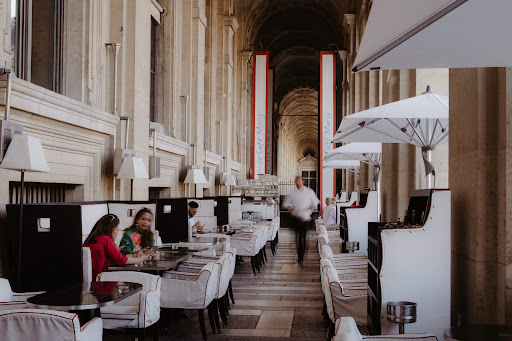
195 176
132 168
243 182
229 179
25 153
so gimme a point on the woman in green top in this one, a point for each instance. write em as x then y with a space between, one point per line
139 235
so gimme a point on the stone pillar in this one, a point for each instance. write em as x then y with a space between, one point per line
230 25
196 79
245 113
480 176
134 101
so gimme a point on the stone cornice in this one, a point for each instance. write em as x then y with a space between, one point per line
37 100
170 144
236 166
212 158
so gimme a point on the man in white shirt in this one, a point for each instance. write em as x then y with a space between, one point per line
301 202
329 212
193 226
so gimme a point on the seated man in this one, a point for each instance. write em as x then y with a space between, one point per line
329 212
193 226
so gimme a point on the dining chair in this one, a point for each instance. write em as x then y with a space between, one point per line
141 310
12 300
43 325
342 301
86 265
181 290
346 330
249 245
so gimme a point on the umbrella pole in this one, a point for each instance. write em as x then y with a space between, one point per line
429 152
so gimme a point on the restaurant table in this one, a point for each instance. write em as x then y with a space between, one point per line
489 332
170 261
86 298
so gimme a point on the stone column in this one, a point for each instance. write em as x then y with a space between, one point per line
230 25
197 69
245 57
480 177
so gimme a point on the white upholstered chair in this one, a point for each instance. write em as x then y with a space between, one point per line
249 245
43 325
86 265
141 310
192 291
12 300
346 330
341 299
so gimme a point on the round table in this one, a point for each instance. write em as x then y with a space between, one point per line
490 332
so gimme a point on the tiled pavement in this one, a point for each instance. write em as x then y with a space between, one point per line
282 302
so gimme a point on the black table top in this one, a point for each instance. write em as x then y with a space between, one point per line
85 296
170 261
489 332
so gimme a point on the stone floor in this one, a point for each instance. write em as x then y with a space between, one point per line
282 302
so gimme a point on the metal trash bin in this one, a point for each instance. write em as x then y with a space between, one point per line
401 312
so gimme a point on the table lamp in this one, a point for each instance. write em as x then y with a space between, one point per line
24 154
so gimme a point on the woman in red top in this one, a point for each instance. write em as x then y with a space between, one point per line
104 251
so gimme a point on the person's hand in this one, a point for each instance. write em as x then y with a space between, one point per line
291 208
141 252
120 248
201 227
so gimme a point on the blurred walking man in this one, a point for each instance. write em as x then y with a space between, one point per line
301 202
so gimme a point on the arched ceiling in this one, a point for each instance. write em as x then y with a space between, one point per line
299 110
294 32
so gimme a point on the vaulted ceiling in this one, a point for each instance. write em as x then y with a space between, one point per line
294 32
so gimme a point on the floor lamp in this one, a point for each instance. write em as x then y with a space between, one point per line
24 154
132 168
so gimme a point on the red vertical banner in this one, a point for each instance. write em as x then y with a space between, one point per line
327 120
260 113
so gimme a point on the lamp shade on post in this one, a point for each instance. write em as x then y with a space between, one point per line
195 176
132 168
25 154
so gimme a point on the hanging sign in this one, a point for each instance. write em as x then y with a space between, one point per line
327 121
260 113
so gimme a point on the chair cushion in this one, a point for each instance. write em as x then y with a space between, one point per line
120 312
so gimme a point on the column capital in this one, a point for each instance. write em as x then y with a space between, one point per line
349 20
342 54
232 22
198 11
246 55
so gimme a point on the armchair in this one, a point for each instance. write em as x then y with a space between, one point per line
346 330
192 291
137 311
40 324
12 300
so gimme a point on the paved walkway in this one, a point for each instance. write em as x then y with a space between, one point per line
282 302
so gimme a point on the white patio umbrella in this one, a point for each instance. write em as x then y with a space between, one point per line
369 153
350 165
436 34
421 121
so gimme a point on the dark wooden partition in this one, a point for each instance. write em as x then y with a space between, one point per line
172 226
49 259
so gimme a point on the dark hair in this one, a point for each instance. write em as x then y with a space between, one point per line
193 204
105 226
147 235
